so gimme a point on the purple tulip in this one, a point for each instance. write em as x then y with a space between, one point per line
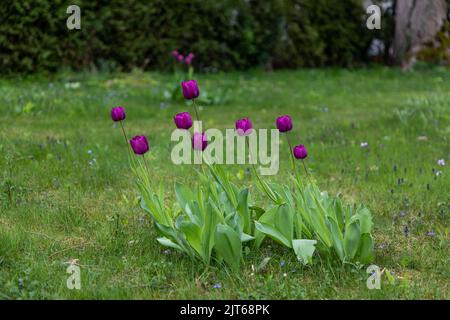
180 57
300 152
189 58
183 120
118 113
244 126
174 53
190 89
199 141
139 144
284 123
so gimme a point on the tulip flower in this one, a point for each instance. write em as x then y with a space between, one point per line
118 113
139 144
190 89
174 53
189 58
284 123
244 126
183 120
199 141
300 152
180 57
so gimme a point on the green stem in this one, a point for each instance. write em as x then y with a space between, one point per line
124 134
251 161
145 163
291 151
306 170
195 108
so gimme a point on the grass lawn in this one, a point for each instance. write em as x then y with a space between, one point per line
57 203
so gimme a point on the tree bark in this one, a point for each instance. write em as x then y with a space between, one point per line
416 23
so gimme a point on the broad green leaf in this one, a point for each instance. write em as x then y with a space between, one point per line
365 220
245 237
267 218
194 237
228 245
169 243
243 211
184 195
258 211
304 249
211 220
273 233
351 240
365 251
336 235
283 222
339 213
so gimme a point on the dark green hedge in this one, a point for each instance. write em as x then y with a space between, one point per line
223 34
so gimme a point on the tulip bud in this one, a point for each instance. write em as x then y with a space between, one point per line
284 123
300 152
139 144
199 141
190 89
118 113
244 126
183 120
189 58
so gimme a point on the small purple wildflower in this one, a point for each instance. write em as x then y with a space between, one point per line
217 286
282 264
441 162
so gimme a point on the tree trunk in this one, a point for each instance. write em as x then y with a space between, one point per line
416 23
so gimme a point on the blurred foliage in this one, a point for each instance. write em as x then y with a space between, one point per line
438 51
229 34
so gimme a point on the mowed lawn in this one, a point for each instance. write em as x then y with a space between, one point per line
66 191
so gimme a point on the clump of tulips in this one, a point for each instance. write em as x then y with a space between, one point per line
213 220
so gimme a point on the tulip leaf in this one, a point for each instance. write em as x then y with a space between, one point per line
284 223
228 245
184 196
304 249
365 251
169 243
273 233
267 218
245 237
193 236
365 220
336 235
257 210
243 211
351 240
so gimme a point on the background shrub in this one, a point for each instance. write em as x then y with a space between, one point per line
230 34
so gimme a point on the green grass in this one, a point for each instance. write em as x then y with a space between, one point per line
55 206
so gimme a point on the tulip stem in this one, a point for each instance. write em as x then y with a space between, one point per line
124 133
145 163
291 151
195 108
306 170
251 161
